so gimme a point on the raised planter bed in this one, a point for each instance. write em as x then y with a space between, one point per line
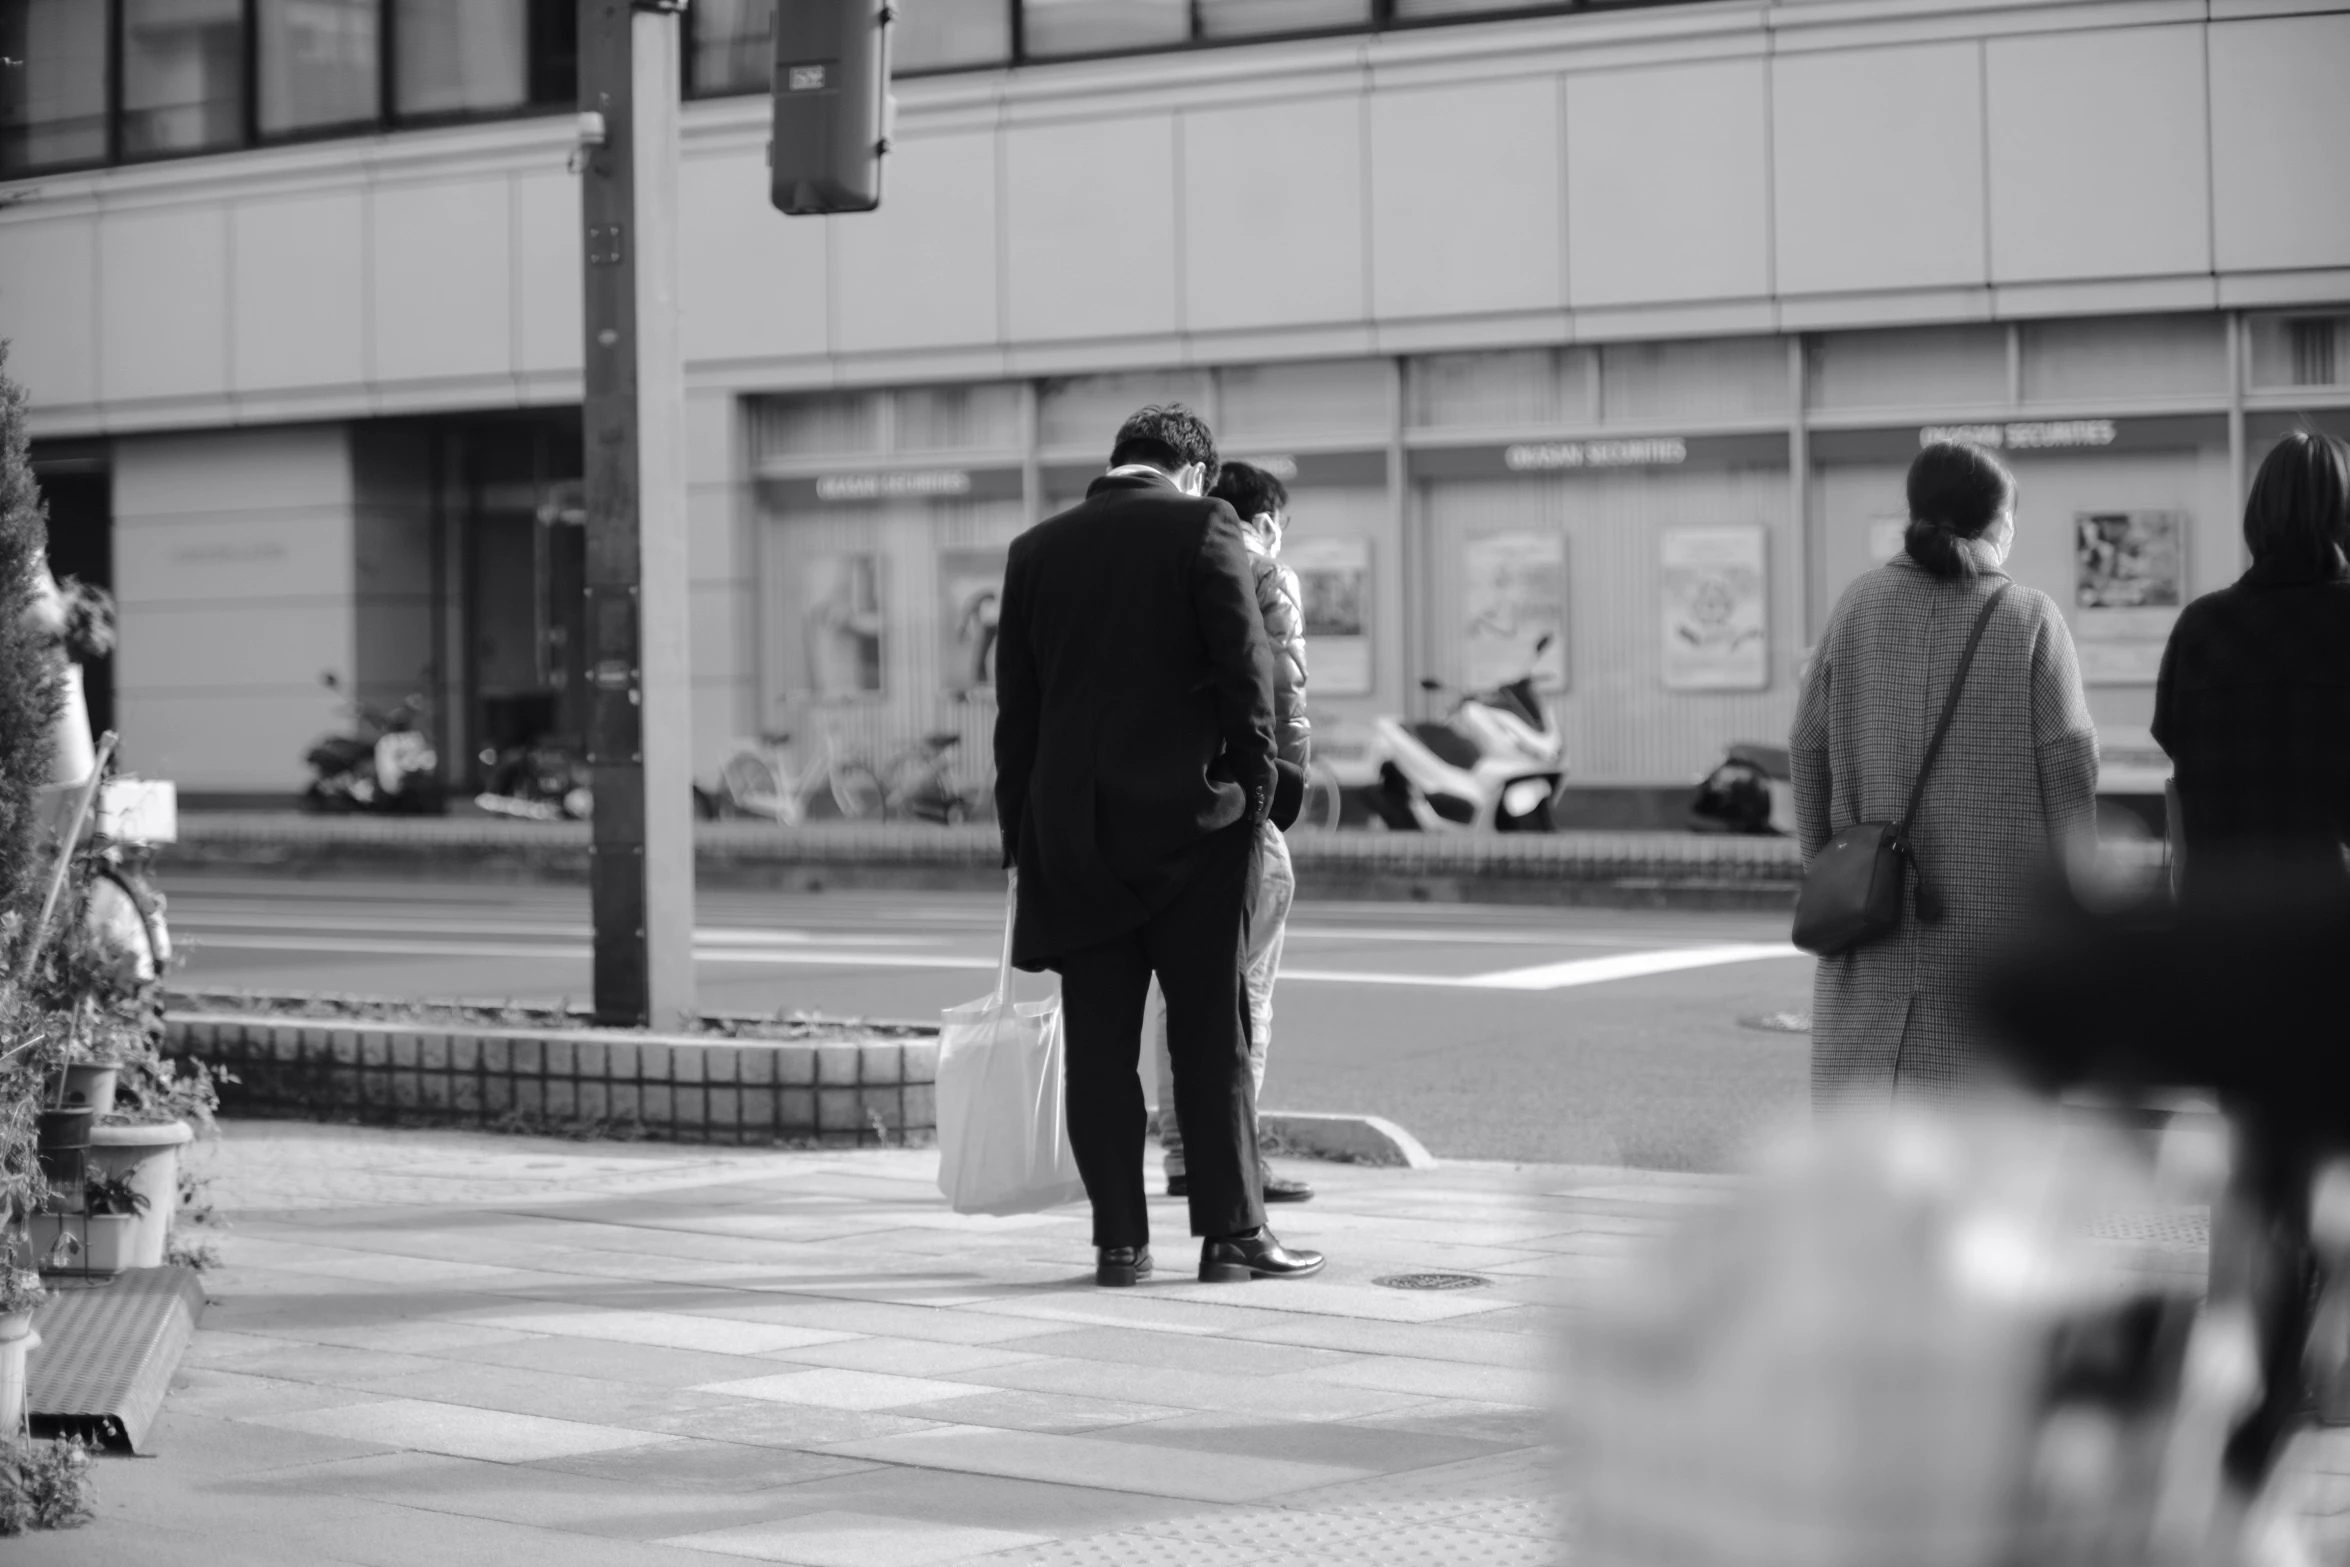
741 1081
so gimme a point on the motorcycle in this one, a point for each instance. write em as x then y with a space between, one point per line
1495 763
545 781
385 763
1752 790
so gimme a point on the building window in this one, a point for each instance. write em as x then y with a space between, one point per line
183 75
733 45
1248 18
942 35
2290 352
483 56
1067 27
53 107
318 64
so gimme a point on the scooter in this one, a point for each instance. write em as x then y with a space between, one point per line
1495 763
1751 791
385 763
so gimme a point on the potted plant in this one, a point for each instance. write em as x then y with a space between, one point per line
20 1293
108 1228
159 1109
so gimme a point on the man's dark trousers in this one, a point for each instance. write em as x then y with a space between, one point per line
1196 946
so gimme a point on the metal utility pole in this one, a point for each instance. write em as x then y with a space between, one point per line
641 876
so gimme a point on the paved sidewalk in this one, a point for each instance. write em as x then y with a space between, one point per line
436 1347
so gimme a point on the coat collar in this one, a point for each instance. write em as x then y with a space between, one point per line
1131 477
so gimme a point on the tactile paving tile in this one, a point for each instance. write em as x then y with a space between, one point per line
1425 1545
1121 1549
2183 1228
1536 1520
1267 1528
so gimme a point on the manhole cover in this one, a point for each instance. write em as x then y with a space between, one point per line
1432 1281
1779 1022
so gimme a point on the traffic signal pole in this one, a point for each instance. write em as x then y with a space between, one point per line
641 859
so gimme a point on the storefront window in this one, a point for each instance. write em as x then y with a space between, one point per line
957 419
1336 399
1930 367
1529 387
183 70
2300 350
53 107
481 56
817 425
1416 10
1245 18
1729 379
318 64
733 45
1103 26
2125 357
1082 414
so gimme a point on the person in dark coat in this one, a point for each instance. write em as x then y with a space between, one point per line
1135 765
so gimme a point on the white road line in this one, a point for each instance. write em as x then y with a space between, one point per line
1548 976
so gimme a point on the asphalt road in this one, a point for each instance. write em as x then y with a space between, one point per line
1586 1035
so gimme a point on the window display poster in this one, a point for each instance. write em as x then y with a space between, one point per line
2129 579
971 595
840 624
1334 590
1716 618
1516 592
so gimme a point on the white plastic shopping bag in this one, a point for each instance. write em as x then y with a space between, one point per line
1003 1135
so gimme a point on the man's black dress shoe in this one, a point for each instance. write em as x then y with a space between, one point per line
1178 1186
1118 1266
1235 1259
1280 1188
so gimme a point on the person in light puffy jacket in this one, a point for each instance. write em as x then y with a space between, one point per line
1262 503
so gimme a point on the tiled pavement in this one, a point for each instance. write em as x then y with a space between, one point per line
435 1347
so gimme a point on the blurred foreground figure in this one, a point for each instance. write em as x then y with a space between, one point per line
1913 1343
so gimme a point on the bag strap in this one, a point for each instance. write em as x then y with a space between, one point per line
1003 978
1966 662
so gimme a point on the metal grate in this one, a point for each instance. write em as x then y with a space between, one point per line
1431 1281
107 1355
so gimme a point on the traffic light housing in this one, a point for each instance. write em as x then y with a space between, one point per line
831 92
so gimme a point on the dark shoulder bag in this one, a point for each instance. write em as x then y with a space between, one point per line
1852 894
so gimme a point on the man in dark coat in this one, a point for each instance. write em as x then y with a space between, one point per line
1134 765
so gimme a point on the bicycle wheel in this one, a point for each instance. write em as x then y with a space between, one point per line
1324 803
857 792
125 904
747 783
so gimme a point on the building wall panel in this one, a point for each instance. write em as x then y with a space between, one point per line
49 292
442 308
921 271
1091 255
755 283
1878 164
163 327
2279 122
1467 199
300 274
1273 215
1666 178
547 266
2100 151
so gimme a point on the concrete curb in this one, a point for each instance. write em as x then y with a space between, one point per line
1344 1139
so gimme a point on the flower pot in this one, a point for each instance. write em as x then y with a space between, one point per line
110 1241
63 1136
91 1086
151 1155
12 1368
15 1324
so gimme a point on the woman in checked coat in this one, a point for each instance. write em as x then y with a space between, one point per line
2016 780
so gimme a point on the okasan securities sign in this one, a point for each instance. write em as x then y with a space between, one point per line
913 484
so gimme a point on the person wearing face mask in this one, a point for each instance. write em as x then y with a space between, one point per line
2013 787
1261 502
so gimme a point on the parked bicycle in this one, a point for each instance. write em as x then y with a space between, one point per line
761 779
918 783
